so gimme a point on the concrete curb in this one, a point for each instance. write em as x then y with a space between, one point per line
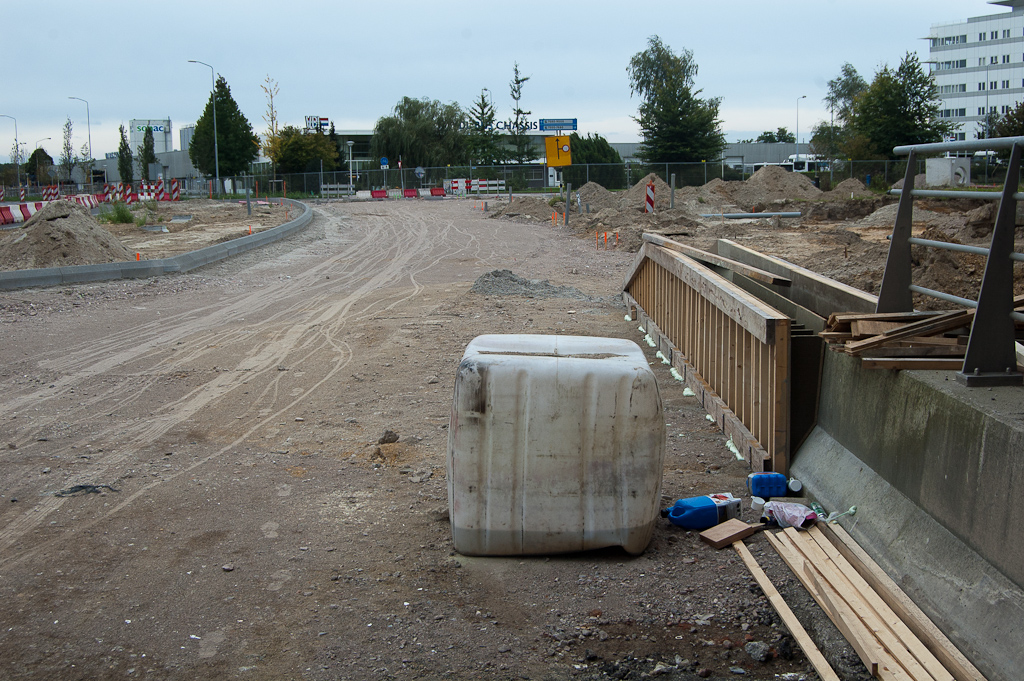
57 276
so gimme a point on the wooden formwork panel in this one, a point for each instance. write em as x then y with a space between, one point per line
737 346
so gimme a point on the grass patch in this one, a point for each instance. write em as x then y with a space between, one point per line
119 214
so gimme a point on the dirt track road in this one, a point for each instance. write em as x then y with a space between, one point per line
246 523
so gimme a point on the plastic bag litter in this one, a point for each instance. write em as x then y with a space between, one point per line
786 514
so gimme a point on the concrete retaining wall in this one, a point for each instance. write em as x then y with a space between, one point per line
56 276
936 471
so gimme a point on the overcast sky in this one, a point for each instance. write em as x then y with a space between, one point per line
351 62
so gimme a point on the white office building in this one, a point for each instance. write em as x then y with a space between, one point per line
978 65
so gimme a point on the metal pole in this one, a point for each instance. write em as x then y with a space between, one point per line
350 143
672 200
796 136
17 166
568 192
213 88
88 123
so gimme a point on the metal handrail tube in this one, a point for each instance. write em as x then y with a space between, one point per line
956 194
992 144
961 248
948 297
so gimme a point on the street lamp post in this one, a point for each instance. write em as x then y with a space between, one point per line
349 143
17 166
797 135
213 92
88 123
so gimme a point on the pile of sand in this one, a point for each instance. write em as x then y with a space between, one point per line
782 184
62 233
886 217
526 206
851 186
918 182
597 196
636 196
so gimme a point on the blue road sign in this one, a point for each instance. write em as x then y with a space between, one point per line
557 124
384 159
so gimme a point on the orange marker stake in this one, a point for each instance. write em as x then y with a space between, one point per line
597 240
138 257
250 229
606 241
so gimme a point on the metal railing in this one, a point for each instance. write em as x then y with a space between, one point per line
991 356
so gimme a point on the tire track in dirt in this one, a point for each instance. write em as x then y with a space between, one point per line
379 271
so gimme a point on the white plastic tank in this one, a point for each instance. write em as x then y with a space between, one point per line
556 444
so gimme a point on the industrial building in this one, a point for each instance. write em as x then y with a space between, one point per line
978 66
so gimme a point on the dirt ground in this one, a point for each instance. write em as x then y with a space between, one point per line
194 484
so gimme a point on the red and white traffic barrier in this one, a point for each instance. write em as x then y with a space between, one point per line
21 193
649 206
175 191
160 189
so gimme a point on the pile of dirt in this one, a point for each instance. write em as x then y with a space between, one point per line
851 187
886 217
597 196
636 196
526 206
506 283
918 182
61 234
781 184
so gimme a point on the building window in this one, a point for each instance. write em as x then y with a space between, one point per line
981 61
994 85
981 86
1006 85
1006 33
981 111
981 37
993 60
994 35
1006 59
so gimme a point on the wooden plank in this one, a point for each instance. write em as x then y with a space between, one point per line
905 317
945 322
826 551
910 363
911 615
814 655
898 641
723 534
873 642
720 261
871 327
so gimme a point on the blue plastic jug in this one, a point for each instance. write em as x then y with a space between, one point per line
700 513
767 485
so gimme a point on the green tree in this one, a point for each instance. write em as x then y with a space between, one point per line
485 147
522 150
675 123
900 107
236 146
39 165
779 136
992 124
302 152
85 163
609 172
125 161
147 153
67 153
422 132
843 91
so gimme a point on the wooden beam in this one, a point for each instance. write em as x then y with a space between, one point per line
814 655
720 261
911 615
724 534
945 322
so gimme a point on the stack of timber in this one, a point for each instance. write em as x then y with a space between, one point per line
904 340
887 645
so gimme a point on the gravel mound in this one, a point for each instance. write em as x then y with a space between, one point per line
782 184
505 283
61 234
597 196
636 196
850 185
526 206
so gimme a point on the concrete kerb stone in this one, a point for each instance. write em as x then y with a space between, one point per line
56 276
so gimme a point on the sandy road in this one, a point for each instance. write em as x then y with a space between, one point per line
256 530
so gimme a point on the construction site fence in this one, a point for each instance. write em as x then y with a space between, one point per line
879 175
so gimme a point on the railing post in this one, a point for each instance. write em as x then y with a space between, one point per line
895 294
991 358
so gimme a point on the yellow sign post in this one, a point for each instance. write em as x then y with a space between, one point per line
558 152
